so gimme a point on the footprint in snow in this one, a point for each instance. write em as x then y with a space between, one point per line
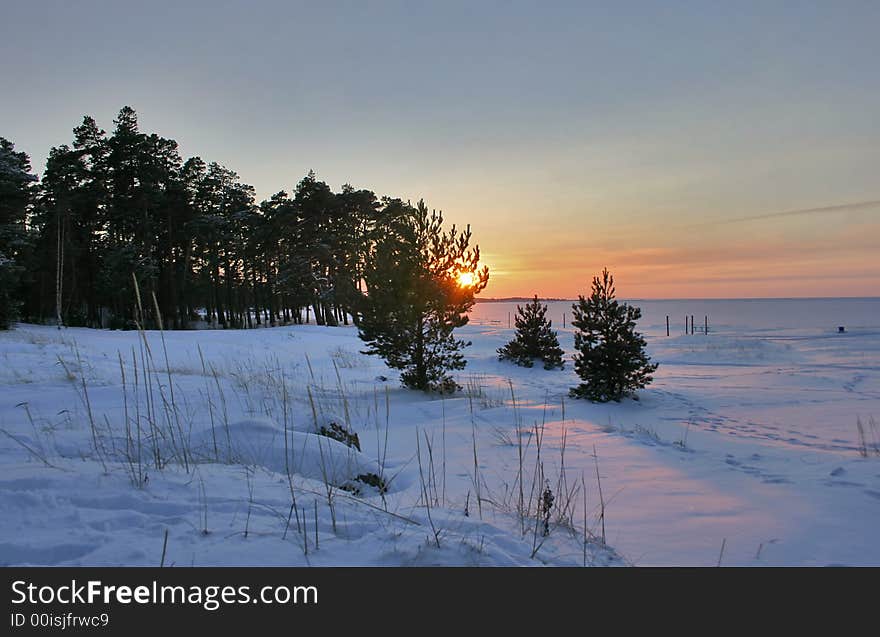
843 483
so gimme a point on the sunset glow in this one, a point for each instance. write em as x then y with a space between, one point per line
729 152
466 279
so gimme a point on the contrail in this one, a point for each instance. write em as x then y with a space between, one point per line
858 205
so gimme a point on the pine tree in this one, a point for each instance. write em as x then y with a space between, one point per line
112 204
611 357
414 300
534 338
15 200
10 274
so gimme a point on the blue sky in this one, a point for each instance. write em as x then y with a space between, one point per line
570 135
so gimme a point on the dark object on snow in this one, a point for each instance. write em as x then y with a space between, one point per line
544 506
381 378
369 479
533 339
841 329
340 433
373 480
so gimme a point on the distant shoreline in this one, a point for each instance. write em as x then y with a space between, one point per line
522 299
517 299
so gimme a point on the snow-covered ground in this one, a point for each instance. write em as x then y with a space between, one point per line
747 439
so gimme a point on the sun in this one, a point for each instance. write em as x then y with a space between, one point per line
466 279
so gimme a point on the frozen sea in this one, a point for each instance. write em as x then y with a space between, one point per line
759 317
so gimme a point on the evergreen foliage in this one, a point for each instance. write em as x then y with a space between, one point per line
10 275
611 357
16 194
413 300
113 204
534 338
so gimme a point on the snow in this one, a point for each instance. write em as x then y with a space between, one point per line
748 438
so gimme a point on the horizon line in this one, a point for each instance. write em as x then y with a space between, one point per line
510 299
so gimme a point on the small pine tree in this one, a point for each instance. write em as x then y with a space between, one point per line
415 299
611 357
533 339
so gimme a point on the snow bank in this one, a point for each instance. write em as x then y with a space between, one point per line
260 442
746 438
722 350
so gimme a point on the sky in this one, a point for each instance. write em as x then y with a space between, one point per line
696 149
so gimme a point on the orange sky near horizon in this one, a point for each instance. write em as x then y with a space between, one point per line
702 150
729 260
